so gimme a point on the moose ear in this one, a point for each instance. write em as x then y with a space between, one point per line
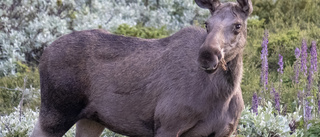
246 6
208 4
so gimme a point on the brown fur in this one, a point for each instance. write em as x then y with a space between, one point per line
145 88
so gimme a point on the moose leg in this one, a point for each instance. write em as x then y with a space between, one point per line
164 132
88 128
51 125
174 122
38 131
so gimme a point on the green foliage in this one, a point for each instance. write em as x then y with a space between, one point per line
267 123
21 133
314 129
142 32
254 22
289 12
287 22
12 87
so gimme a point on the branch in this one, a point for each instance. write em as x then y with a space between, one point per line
22 98
11 89
109 19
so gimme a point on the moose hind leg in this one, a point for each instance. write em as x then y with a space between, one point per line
88 128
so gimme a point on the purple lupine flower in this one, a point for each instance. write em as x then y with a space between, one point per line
313 53
318 106
310 80
280 63
277 101
307 113
255 103
297 53
296 65
304 56
273 91
319 99
264 58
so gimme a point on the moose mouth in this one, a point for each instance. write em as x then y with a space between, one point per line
211 70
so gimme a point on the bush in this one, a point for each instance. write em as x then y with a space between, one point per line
267 123
18 123
21 123
27 27
313 130
25 83
142 32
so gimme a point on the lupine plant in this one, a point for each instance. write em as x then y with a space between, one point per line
319 100
277 101
306 96
314 61
264 59
255 103
304 56
296 65
280 63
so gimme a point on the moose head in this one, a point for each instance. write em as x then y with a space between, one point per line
227 32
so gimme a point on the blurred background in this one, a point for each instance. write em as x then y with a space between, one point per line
280 84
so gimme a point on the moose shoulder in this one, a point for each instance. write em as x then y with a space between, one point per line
185 85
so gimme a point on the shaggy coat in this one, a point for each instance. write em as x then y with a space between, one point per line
175 86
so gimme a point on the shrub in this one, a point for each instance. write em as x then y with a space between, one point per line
18 124
267 123
12 87
142 32
313 130
27 27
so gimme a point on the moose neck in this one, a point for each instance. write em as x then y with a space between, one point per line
225 82
234 72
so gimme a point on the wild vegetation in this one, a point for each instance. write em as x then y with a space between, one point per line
278 31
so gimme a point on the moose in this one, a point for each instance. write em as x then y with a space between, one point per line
184 85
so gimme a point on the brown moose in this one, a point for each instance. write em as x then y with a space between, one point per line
185 85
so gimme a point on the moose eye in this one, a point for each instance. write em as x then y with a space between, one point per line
238 26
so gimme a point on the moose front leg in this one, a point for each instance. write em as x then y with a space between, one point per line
173 119
169 130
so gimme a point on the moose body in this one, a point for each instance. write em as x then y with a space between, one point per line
175 86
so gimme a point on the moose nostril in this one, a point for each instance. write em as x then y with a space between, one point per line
209 58
206 55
